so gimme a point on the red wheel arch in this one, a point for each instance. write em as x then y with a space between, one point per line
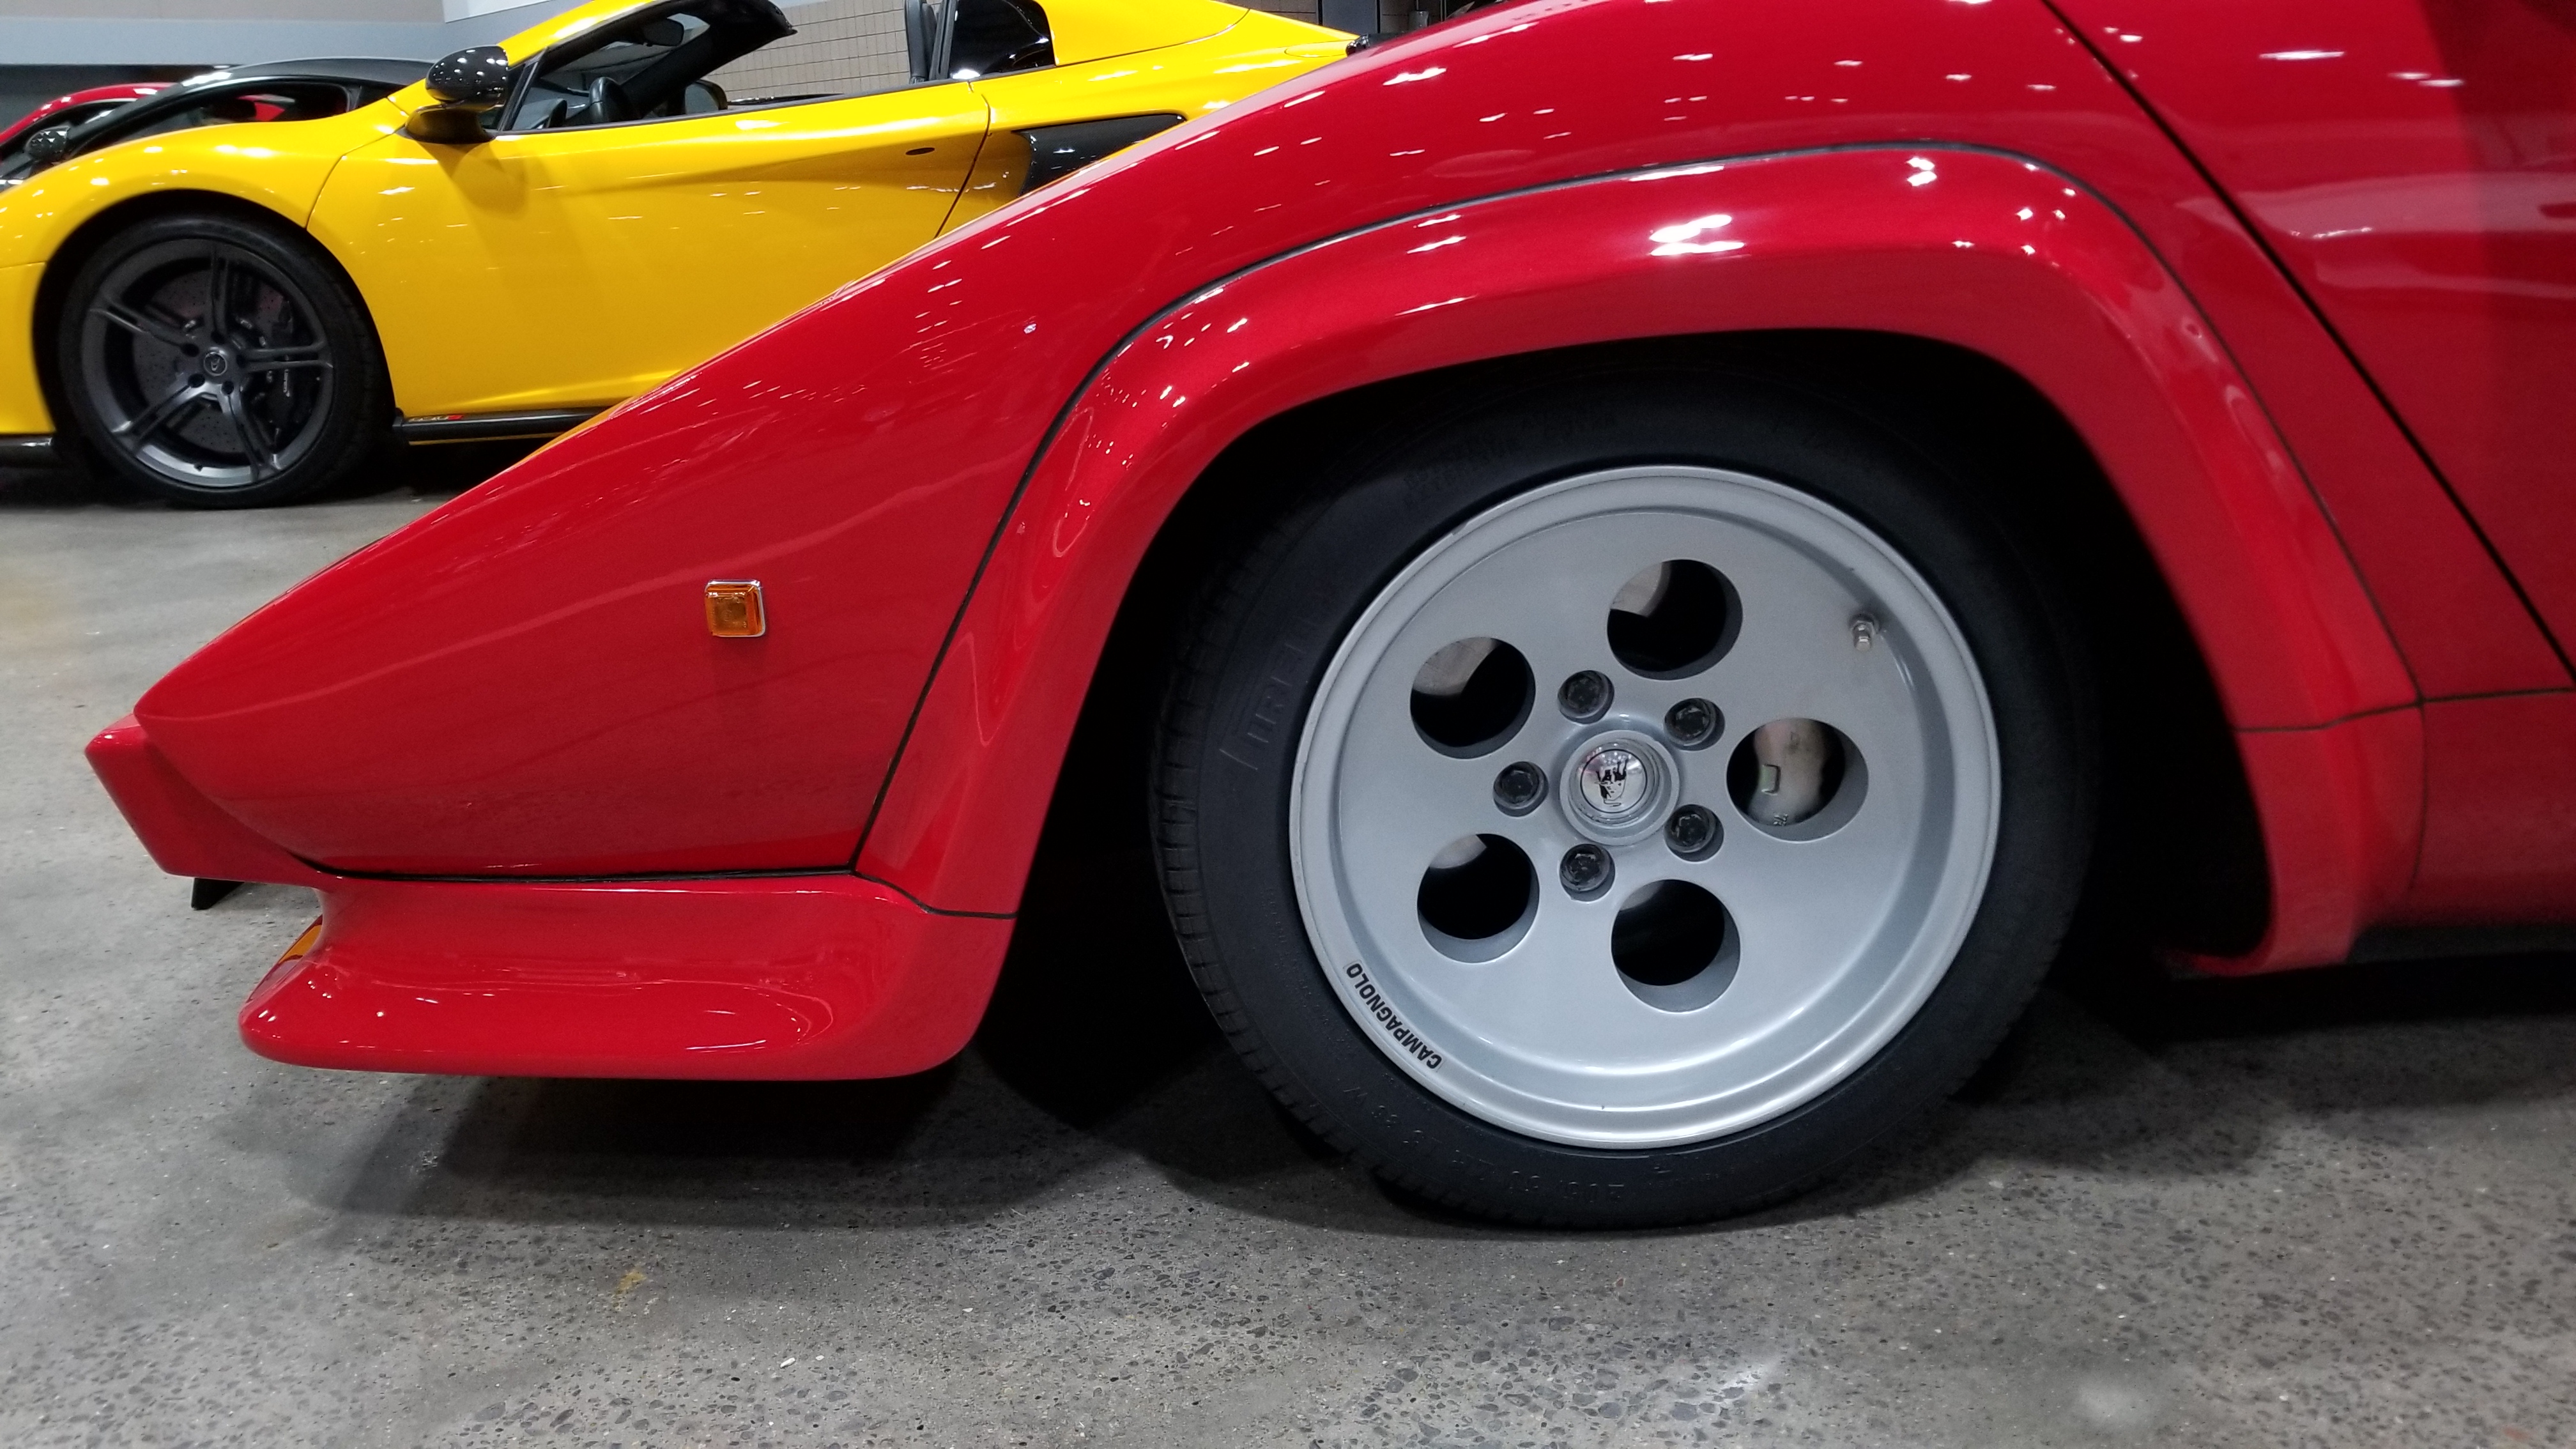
1988 252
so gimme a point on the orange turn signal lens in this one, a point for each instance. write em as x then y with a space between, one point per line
303 946
734 609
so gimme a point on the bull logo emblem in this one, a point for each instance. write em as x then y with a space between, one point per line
1612 779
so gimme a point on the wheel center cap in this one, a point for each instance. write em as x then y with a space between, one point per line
1614 780
213 362
1618 786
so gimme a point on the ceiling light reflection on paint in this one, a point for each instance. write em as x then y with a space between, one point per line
1682 239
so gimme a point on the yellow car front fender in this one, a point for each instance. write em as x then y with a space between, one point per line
47 221
22 403
278 166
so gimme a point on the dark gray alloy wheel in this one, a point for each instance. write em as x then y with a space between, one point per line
213 364
1624 803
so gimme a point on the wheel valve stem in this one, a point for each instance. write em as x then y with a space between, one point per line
1864 629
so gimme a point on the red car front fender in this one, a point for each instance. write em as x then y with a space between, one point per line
1985 251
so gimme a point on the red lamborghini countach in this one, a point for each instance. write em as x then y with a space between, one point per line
1668 543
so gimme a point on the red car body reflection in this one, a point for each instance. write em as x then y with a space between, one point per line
2303 280
72 109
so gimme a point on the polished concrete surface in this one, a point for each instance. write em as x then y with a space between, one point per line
2333 1210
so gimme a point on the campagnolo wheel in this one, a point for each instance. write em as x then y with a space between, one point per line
1645 806
1633 819
212 364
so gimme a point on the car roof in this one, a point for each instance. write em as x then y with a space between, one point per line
374 70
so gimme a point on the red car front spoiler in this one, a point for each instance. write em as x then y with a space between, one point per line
807 976
186 833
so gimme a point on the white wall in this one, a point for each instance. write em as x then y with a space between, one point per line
360 10
210 32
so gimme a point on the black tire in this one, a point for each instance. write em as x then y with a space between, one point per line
1272 618
261 396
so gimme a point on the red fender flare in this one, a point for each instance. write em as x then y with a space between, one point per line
1986 251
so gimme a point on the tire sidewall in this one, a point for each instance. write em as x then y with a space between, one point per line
1334 553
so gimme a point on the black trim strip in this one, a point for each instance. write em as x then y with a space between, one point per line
484 427
2426 702
2338 721
935 910
30 450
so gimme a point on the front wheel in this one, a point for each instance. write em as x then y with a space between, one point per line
1624 808
213 363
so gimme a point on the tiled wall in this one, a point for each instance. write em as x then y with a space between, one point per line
839 46
857 45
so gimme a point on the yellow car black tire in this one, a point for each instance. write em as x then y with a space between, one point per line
212 361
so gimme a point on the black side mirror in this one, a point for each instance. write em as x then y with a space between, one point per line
465 85
50 145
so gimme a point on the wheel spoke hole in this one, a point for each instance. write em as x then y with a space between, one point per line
1798 779
1471 696
1478 898
1675 946
1673 619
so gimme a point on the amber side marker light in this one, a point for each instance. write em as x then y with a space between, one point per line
734 609
303 946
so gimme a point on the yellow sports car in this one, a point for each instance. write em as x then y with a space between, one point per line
236 314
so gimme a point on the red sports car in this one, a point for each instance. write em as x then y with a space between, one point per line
71 110
1653 552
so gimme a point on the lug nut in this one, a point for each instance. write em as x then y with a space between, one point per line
1692 723
1584 697
1520 787
1692 833
1585 870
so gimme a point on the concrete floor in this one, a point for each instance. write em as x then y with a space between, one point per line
2334 1210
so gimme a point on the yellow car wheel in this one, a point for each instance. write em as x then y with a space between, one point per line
216 363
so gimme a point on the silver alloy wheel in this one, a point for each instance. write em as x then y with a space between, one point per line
1562 970
207 365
